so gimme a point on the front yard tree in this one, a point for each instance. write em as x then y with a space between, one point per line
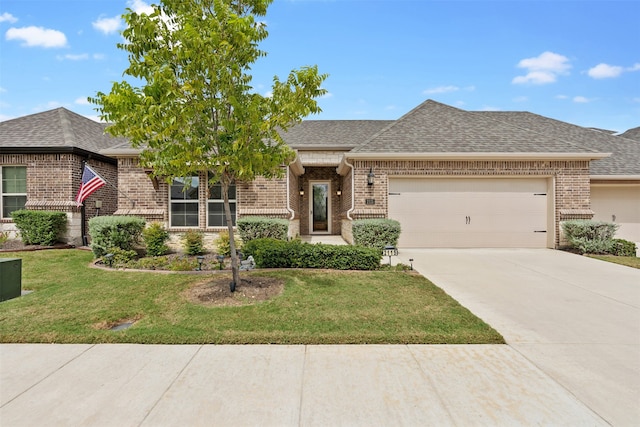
195 110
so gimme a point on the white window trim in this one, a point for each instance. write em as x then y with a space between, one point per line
182 201
221 201
3 194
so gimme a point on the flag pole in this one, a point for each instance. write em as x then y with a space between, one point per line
83 213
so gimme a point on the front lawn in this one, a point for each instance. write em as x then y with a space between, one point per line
72 302
629 261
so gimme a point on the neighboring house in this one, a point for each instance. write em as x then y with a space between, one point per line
453 178
41 161
614 180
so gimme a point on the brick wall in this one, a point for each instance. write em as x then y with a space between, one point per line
572 187
53 181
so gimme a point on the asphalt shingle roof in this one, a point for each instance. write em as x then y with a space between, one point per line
58 128
632 134
625 153
332 133
433 127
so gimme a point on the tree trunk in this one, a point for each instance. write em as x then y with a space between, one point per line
235 271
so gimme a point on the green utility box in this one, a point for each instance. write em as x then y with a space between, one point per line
10 278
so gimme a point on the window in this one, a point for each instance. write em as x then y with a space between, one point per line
184 202
13 187
215 206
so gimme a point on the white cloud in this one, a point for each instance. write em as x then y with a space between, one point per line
327 95
543 69
562 97
81 101
139 7
72 57
108 25
2 90
490 108
606 71
441 89
98 56
520 99
447 89
4 117
37 36
581 99
7 17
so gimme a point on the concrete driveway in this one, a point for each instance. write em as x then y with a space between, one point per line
575 318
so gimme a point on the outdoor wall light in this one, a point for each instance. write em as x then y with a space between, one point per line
370 177
301 190
200 259
220 259
339 190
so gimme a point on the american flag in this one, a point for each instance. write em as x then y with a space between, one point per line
91 181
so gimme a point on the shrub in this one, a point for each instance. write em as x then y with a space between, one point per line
376 233
121 257
587 236
4 236
274 253
193 242
183 264
114 231
251 228
623 247
222 243
155 239
39 227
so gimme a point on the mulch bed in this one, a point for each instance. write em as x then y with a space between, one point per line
16 245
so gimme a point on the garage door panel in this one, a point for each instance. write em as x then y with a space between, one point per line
620 204
491 212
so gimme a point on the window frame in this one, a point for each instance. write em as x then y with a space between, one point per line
4 194
233 203
195 201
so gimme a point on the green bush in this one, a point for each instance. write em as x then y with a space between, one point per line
4 236
376 233
121 257
114 231
588 236
39 227
223 244
193 242
155 239
623 247
274 253
251 228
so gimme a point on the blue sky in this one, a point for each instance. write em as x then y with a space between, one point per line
576 61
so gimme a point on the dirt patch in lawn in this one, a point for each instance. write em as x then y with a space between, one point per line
216 292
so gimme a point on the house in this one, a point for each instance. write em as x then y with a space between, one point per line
453 178
41 163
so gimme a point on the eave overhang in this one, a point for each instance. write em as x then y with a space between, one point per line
476 156
60 150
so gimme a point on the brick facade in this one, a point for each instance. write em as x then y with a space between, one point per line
268 197
571 178
53 181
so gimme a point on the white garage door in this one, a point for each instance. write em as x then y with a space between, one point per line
470 212
620 204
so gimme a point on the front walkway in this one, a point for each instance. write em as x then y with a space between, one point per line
324 238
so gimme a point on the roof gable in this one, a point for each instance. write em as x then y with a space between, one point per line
433 127
58 128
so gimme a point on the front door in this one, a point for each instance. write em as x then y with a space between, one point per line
320 207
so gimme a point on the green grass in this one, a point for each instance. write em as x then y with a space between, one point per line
316 307
629 261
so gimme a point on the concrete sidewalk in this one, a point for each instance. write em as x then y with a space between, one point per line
341 385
